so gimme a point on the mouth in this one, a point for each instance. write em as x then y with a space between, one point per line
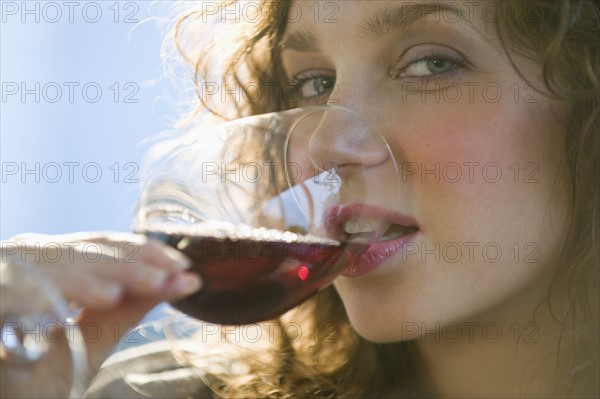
378 233
366 224
365 231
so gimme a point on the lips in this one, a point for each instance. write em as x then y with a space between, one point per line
381 233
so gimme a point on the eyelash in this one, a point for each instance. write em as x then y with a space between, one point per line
295 84
457 62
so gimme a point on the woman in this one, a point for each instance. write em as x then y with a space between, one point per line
498 295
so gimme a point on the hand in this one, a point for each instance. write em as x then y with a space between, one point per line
115 277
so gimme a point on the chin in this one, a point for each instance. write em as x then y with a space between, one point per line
376 327
381 334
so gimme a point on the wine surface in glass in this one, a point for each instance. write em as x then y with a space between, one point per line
254 276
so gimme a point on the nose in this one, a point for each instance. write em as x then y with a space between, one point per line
343 139
359 163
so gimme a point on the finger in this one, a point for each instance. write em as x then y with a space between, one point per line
138 278
146 266
86 289
157 252
137 247
96 292
104 258
181 285
108 274
91 247
135 276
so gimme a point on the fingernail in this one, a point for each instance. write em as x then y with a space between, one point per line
188 284
106 292
182 261
150 277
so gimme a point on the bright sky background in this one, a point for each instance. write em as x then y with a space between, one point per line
66 140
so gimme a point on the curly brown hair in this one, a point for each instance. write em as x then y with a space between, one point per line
564 37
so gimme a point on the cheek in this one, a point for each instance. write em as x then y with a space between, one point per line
490 172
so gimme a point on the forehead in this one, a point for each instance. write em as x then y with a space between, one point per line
370 19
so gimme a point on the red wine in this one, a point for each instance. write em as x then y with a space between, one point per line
254 274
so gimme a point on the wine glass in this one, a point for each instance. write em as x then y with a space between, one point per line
42 352
268 207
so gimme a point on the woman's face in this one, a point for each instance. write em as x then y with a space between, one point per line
479 153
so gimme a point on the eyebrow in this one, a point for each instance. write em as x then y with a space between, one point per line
387 20
301 40
394 18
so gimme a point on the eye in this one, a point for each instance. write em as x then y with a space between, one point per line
314 88
317 86
429 67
